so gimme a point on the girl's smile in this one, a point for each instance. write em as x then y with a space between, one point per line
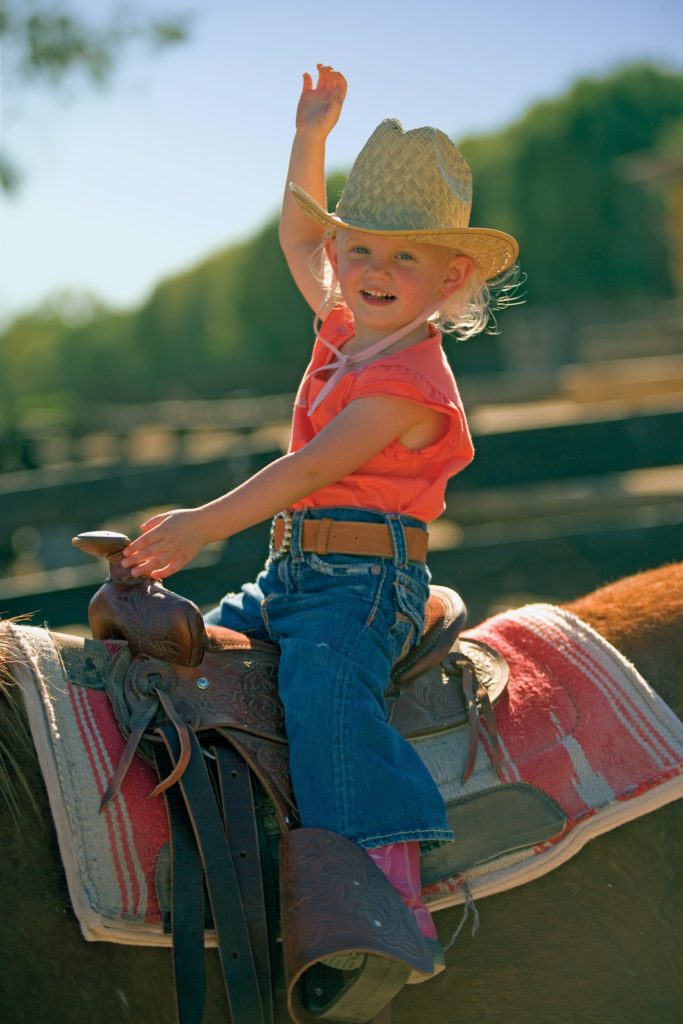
372 296
387 282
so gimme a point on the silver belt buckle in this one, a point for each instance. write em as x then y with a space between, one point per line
276 553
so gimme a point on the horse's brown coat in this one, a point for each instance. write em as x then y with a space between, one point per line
596 941
642 616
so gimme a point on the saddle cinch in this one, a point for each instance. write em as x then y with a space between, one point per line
201 704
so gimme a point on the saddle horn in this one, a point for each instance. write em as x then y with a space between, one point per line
139 610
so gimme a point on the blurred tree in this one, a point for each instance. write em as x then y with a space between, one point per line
551 180
661 169
236 322
45 44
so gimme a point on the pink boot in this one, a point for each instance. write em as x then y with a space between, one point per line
400 863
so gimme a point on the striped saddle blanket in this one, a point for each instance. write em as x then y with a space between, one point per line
578 727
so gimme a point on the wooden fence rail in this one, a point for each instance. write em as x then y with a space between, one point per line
510 464
88 494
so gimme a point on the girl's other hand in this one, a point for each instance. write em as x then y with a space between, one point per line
320 105
167 543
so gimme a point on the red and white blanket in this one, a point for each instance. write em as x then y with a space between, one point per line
577 721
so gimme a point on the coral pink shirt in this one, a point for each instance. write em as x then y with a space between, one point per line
398 479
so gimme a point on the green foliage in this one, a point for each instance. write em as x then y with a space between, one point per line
236 322
552 180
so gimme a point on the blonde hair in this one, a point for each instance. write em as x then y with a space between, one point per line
468 312
472 310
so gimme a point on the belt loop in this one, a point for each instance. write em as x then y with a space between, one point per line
322 536
296 551
398 538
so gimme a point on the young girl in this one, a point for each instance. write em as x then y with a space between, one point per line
378 429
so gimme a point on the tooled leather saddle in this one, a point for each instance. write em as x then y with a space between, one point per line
201 704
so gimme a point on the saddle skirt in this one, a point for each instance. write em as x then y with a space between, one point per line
585 745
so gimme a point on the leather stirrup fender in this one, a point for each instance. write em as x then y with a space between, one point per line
334 900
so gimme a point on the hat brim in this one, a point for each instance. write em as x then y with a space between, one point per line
493 251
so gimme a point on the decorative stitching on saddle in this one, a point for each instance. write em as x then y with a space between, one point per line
424 833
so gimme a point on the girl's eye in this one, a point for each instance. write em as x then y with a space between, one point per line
405 256
362 250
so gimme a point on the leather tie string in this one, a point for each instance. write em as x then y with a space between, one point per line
342 362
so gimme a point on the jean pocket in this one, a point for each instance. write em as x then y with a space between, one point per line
411 592
403 635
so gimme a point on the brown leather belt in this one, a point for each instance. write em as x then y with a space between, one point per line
329 536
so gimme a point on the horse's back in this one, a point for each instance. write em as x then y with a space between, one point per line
596 940
642 616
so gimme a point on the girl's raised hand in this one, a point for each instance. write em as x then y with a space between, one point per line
320 105
167 543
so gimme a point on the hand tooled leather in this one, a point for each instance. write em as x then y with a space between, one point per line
140 610
270 764
236 690
435 700
335 899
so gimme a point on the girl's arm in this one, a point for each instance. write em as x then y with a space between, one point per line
317 113
366 426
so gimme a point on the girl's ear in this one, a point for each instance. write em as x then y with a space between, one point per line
459 272
331 252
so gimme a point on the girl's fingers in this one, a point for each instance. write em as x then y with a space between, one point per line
150 566
328 78
141 547
166 570
140 570
161 574
142 558
153 521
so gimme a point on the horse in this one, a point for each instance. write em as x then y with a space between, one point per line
595 940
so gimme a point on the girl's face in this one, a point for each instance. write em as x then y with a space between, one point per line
387 282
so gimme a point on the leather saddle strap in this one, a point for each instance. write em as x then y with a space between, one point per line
478 706
184 738
468 684
141 718
237 962
237 800
187 913
489 719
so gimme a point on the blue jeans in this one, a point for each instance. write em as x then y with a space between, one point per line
341 622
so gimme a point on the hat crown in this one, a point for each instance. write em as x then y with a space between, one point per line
407 181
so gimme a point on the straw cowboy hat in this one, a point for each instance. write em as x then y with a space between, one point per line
417 185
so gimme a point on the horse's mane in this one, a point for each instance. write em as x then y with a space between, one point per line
15 739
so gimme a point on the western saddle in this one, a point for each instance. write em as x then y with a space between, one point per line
201 704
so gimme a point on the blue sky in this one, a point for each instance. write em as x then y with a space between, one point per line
186 152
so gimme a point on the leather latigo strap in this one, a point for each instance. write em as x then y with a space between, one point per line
327 885
328 537
237 931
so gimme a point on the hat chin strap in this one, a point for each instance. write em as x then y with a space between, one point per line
343 362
